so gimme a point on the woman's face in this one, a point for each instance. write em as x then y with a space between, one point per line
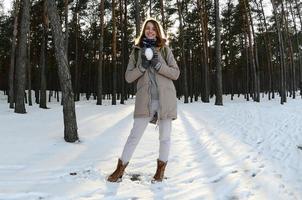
150 31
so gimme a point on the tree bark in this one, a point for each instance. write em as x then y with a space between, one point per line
114 73
137 17
76 72
70 123
28 64
12 59
254 47
298 49
183 62
205 92
162 12
21 58
218 99
100 67
248 25
66 26
282 89
268 46
291 65
43 60
123 28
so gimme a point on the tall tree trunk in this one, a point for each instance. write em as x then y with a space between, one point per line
300 18
21 58
100 67
43 59
137 17
228 59
298 49
66 26
70 123
114 73
251 49
123 29
255 53
183 61
282 89
268 46
218 99
12 59
76 67
205 92
162 12
28 64
247 74
290 52
150 8
125 42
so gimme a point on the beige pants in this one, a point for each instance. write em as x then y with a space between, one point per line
138 129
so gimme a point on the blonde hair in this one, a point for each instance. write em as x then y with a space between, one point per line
161 39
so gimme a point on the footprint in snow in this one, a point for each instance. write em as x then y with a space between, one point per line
252 173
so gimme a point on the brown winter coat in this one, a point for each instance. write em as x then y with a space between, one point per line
167 94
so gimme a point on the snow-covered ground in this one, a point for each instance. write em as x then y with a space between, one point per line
242 150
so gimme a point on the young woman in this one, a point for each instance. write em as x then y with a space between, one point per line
152 64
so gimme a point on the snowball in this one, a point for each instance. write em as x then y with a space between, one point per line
149 53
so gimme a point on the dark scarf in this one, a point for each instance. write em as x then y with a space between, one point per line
148 43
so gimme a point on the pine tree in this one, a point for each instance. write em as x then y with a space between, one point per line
22 57
70 123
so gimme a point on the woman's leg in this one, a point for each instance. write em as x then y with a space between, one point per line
136 133
164 139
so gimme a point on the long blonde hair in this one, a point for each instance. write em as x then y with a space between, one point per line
161 39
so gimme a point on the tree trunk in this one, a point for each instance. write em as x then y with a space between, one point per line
282 89
300 18
183 62
43 60
205 93
100 68
137 17
114 73
218 99
247 76
66 26
247 19
123 29
70 123
28 64
292 79
76 72
268 46
162 12
125 42
21 58
298 49
12 59
254 47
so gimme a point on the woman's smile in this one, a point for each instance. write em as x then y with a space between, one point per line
150 31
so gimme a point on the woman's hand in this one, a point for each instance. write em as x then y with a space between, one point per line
155 60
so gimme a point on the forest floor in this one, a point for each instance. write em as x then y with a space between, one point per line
242 150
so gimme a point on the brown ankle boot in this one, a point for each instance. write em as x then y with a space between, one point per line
119 172
159 175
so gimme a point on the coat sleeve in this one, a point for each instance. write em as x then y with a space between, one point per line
170 68
133 72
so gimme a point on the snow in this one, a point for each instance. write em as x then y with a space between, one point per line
242 150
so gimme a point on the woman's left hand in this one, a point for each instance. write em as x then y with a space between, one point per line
155 60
